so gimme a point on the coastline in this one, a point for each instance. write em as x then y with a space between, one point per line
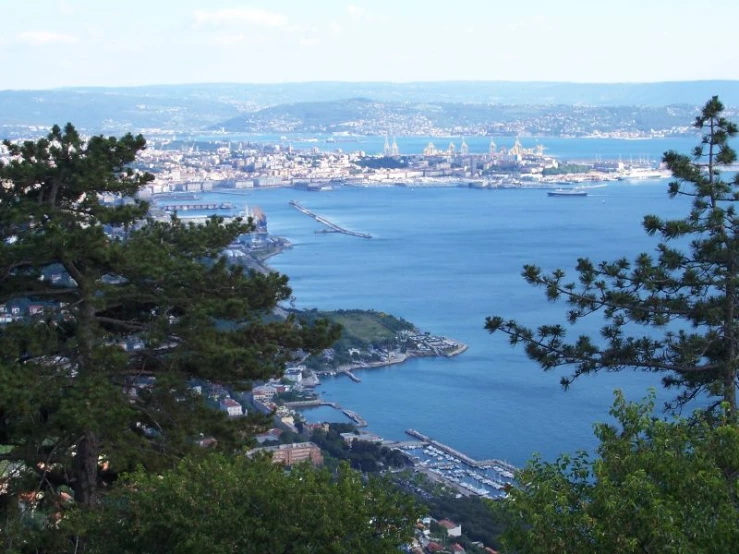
399 359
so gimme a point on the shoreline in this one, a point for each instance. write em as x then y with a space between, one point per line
403 357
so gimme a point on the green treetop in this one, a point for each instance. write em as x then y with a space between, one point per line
685 300
73 412
655 486
228 504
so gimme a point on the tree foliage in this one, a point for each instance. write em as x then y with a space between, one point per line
656 486
673 312
117 313
228 504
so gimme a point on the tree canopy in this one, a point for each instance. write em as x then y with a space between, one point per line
113 316
233 504
655 486
674 312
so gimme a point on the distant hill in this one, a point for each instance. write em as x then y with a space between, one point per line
192 107
369 117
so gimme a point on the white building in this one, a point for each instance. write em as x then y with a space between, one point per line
232 407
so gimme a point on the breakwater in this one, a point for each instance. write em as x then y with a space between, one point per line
459 455
332 227
202 206
358 420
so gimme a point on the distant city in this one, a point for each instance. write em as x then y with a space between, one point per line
188 168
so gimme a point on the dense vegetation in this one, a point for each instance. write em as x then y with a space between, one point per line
363 455
115 316
232 504
473 514
655 486
566 169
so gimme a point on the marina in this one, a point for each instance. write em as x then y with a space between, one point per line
486 478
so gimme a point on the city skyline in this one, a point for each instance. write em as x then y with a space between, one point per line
65 43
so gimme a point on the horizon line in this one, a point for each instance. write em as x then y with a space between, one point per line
377 82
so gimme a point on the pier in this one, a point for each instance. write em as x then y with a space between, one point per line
187 207
332 227
349 374
358 420
478 464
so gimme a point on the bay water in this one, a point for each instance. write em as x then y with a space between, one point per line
444 259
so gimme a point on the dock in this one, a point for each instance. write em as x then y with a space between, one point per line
349 374
466 459
204 206
332 227
358 420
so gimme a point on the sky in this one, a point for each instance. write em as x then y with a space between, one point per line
61 43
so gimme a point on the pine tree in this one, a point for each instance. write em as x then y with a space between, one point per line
684 299
77 408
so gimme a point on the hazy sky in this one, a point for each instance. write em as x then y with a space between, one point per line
53 43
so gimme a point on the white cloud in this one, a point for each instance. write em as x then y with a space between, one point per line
45 37
334 27
252 16
229 40
356 12
309 41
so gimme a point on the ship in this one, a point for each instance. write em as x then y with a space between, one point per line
568 192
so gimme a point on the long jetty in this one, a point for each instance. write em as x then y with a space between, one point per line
332 227
466 459
349 374
203 206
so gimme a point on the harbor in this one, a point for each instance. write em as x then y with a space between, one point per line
484 478
332 227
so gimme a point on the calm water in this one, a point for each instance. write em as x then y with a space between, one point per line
445 259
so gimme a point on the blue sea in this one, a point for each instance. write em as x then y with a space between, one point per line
445 258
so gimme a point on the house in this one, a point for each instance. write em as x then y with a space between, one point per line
232 407
264 391
452 529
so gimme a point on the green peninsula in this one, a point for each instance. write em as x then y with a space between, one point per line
373 339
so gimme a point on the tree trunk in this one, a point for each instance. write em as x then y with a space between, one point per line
86 470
